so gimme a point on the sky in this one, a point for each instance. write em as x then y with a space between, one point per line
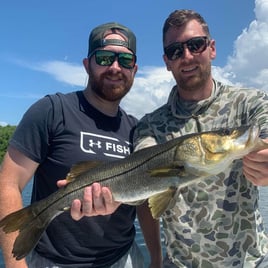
43 43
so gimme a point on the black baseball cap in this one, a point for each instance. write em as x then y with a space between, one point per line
98 34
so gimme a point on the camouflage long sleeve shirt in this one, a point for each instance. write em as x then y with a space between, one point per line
216 222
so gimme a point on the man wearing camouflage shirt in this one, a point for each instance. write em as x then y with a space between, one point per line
215 223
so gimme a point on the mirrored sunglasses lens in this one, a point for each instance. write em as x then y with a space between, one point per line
107 58
126 60
104 58
174 51
197 45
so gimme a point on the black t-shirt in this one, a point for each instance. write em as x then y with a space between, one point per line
57 132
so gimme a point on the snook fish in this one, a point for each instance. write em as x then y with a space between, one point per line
153 173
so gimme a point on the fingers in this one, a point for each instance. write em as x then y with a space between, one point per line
76 208
97 200
110 204
107 196
61 183
256 169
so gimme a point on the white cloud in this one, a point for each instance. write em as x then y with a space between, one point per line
150 90
247 66
261 9
63 71
3 124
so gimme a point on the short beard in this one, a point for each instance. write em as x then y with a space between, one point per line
109 93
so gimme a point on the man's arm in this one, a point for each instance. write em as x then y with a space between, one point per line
15 171
143 138
151 232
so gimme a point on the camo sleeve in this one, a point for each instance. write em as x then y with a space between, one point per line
257 103
263 115
143 135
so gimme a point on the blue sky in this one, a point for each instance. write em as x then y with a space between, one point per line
43 43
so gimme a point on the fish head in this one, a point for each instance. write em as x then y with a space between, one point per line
218 144
213 151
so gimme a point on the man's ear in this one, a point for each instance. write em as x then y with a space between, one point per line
166 62
86 63
212 48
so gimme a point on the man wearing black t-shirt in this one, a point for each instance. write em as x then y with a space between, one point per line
63 129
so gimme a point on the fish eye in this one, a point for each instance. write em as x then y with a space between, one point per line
227 132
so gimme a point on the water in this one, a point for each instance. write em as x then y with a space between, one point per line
139 237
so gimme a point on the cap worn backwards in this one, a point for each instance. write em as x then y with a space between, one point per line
98 34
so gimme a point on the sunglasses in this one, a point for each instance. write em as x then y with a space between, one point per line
195 45
107 58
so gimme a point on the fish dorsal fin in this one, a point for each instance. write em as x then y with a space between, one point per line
160 202
80 168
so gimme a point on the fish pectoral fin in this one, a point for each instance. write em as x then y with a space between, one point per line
160 202
81 167
167 172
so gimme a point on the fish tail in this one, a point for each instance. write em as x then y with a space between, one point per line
27 240
30 225
16 220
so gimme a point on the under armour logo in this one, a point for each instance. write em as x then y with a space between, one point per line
91 143
109 146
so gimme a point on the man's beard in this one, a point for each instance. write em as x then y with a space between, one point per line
109 92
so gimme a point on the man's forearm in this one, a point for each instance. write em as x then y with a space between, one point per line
151 232
10 200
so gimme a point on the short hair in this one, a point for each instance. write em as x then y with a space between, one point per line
180 17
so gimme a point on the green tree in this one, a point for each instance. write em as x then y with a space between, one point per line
5 134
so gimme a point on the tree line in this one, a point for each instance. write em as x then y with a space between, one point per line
5 135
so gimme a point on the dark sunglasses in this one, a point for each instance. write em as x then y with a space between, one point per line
196 45
107 58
